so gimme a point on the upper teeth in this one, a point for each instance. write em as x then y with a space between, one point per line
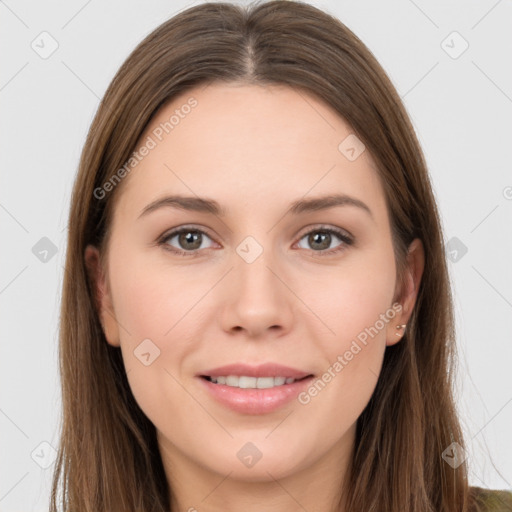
252 382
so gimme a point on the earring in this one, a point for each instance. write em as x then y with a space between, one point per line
400 327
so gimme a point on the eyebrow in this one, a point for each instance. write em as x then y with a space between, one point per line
203 205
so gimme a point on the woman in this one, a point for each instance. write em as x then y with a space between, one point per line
256 310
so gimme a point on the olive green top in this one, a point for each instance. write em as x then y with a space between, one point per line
493 500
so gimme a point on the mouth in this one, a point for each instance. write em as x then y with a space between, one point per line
254 390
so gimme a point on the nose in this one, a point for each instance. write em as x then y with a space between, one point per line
257 299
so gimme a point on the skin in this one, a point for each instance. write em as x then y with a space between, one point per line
254 150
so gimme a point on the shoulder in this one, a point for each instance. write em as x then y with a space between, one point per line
488 500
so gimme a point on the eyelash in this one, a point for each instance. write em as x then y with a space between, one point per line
346 239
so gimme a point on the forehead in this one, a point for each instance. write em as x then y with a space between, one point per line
244 144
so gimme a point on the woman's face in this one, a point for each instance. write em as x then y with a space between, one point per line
265 272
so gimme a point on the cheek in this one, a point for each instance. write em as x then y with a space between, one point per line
352 297
148 301
356 305
152 315
155 349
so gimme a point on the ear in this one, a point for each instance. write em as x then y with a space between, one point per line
409 291
102 295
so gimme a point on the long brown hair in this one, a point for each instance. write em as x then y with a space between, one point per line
108 457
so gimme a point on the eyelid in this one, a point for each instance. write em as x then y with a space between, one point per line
325 227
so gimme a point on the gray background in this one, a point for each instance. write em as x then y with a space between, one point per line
460 105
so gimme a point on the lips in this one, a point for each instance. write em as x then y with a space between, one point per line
247 389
